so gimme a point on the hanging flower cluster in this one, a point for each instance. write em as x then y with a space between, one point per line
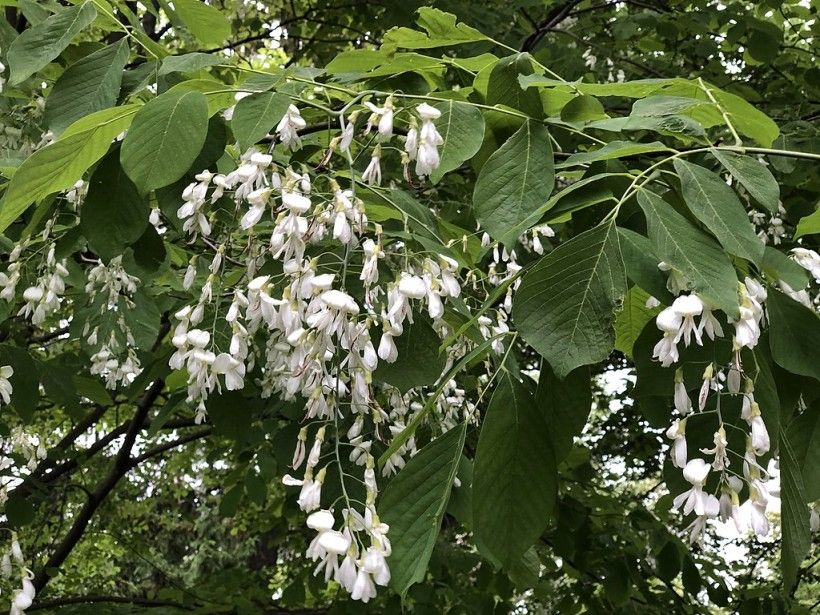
308 335
111 290
13 558
689 320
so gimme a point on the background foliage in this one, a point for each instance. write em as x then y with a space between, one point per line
138 508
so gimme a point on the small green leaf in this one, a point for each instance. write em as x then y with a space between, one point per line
632 319
808 225
779 266
205 22
25 381
565 405
794 335
114 214
414 503
804 436
188 63
19 510
515 181
795 515
442 31
256 115
697 256
718 207
642 265
515 481
89 85
165 138
583 108
462 128
614 149
39 45
752 175
503 87
59 165
419 361
565 307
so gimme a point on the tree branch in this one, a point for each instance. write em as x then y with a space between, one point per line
167 446
121 465
58 602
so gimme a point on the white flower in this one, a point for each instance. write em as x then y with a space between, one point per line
721 461
677 433
340 301
6 372
666 350
381 116
347 135
375 564
373 173
387 348
288 126
311 493
682 402
695 499
676 283
753 516
688 306
809 260
427 157
411 143
232 369
363 587
412 286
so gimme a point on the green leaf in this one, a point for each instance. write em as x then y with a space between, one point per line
565 307
642 265
89 85
25 381
514 182
752 175
503 87
462 128
515 481
414 503
19 510
205 22
632 319
565 405
795 514
419 361
188 63
614 149
617 582
583 108
794 335
165 138
256 115
804 436
747 119
718 207
697 256
144 318
39 45
779 266
808 225
114 214
442 31
59 165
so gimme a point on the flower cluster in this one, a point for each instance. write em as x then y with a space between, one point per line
306 334
111 289
13 558
678 324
